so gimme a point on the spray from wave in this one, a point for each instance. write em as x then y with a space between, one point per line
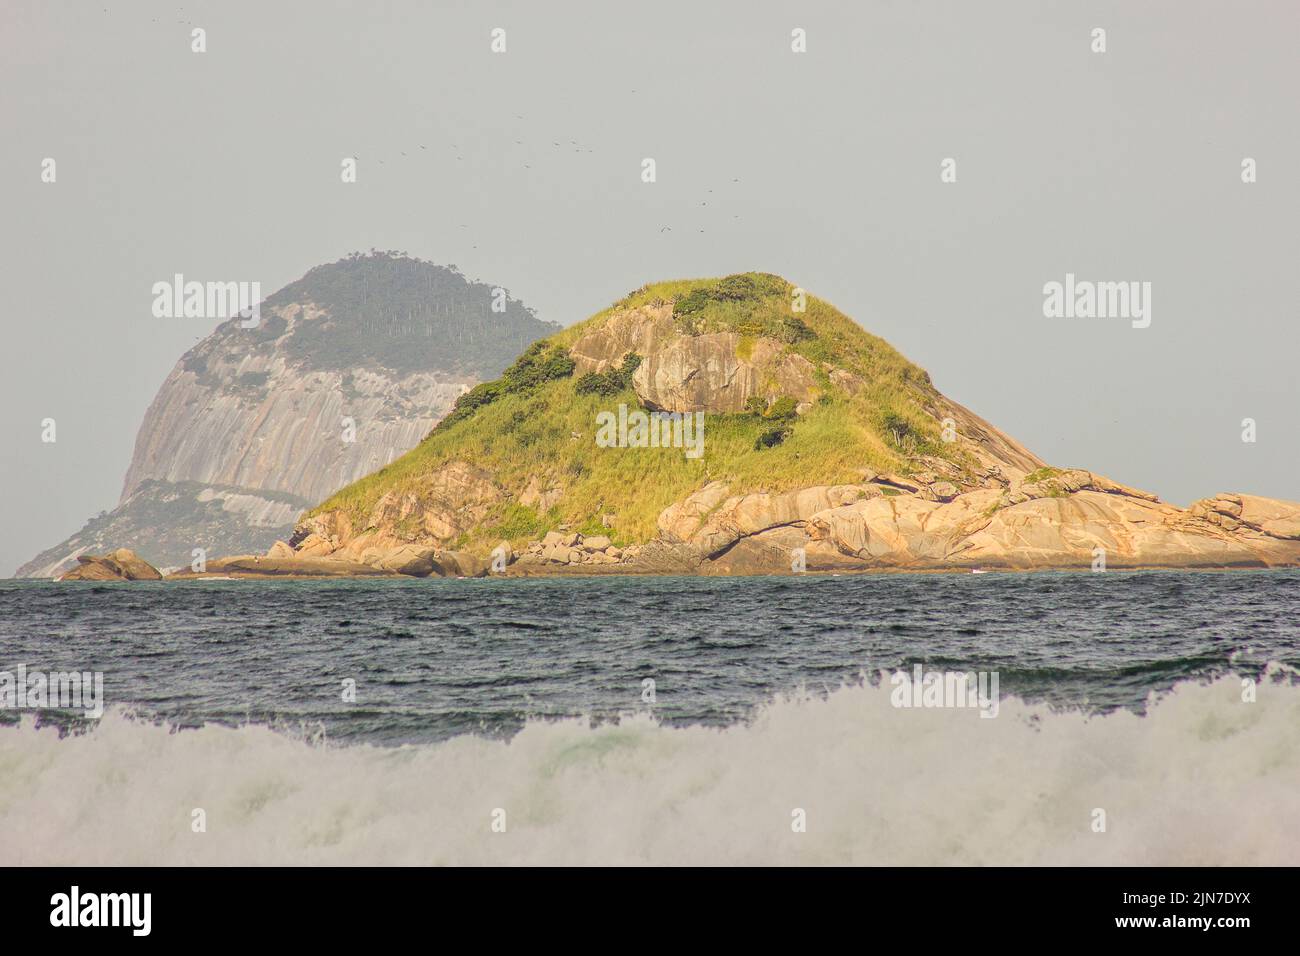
1202 779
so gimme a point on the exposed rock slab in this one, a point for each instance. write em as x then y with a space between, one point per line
286 432
258 566
985 528
716 372
119 565
450 500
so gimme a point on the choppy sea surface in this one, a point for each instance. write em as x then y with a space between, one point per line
409 721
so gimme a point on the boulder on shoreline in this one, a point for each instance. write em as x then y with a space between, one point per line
120 565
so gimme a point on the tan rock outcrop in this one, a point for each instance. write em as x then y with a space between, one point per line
92 568
1265 516
541 494
689 373
711 522
643 330
133 567
280 549
119 565
984 528
260 566
412 560
449 501
707 373
460 564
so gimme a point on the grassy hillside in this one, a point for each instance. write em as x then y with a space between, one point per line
539 420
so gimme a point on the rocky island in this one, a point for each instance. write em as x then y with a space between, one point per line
824 449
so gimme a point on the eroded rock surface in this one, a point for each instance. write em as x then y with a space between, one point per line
119 565
1026 527
715 372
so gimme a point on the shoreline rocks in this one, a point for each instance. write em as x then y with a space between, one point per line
567 550
120 565
1052 519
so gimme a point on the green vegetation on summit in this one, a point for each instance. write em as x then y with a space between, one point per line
404 314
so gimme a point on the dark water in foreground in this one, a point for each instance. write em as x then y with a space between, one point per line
435 658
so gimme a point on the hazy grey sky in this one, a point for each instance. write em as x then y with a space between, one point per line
822 167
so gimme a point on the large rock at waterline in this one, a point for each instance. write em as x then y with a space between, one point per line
260 566
134 567
281 549
1060 519
93 568
409 559
711 520
120 565
460 564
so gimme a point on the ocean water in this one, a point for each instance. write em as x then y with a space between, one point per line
523 703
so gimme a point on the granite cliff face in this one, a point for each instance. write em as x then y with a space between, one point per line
349 368
259 418
709 372
824 450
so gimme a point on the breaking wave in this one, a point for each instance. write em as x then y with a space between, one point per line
1203 778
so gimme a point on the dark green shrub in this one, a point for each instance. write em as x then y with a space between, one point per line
598 383
611 381
744 287
691 303
772 437
783 409
539 364
905 437
794 330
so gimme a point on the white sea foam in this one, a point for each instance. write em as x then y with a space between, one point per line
1203 778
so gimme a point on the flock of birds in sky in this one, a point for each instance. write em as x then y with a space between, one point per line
572 146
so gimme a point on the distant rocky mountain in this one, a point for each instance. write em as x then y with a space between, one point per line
350 367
